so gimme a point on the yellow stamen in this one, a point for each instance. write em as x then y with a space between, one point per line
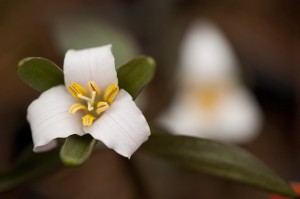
110 93
88 120
84 97
93 87
76 107
76 90
93 96
101 107
90 106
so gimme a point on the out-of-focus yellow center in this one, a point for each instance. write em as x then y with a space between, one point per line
208 97
91 102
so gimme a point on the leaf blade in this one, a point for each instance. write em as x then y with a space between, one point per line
76 150
39 73
136 74
32 166
217 159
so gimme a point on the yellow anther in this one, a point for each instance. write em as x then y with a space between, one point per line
93 87
101 107
91 104
76 89
110 93
76 107
88 120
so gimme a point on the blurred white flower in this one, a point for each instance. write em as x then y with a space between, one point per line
210 101
100 109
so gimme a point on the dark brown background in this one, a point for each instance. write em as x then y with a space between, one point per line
265 36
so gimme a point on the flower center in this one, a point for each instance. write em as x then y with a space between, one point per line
208 97
92 103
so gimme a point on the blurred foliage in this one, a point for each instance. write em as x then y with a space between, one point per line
82 32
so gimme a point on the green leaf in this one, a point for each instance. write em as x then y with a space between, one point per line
133 77
76 150
136 74
40 73
32 166
217 159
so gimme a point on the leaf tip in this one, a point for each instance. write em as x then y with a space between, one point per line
76 150
20 63
70 162
150 61
25 60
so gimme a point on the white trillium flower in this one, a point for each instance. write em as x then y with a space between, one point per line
90 102
210 102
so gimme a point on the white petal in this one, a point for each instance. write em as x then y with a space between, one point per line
93 64
239 117
206 54
182 117
49 118
235 119
122 127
